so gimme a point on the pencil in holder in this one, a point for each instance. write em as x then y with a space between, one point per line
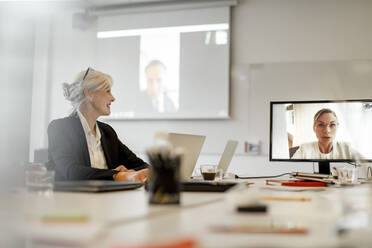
164 175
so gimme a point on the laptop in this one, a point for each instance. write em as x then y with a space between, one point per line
214 186
192 144
227 155
94 186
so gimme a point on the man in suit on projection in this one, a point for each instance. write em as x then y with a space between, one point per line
155 73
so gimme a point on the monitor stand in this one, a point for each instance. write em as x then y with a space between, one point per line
324 167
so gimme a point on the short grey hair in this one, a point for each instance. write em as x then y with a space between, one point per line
155 62
88 79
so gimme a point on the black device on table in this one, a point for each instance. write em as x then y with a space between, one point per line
206 186
95 186
203 186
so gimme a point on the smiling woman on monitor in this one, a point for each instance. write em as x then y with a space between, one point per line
80 147
325 127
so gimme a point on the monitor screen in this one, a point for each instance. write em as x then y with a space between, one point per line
337 131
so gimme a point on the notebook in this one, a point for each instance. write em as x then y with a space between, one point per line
94 186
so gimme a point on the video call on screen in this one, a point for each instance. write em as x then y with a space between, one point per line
293 126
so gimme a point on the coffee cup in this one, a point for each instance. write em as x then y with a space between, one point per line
210 172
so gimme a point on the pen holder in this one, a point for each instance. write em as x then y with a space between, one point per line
164 175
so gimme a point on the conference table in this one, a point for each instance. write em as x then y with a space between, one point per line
295 217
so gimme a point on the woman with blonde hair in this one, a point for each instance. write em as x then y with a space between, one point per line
80 147
325 127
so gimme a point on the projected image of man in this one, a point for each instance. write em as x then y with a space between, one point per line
325 127
155 73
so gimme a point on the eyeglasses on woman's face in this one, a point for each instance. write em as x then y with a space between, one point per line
322 125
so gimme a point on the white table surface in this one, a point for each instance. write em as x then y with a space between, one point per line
126 218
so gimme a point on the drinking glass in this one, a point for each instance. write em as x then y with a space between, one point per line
39 181
348 175
211 172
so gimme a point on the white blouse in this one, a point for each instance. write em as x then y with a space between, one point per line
97 157
341 150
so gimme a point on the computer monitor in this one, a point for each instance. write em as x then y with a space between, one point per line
321 131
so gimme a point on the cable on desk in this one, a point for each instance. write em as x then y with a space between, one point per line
239 177
354 164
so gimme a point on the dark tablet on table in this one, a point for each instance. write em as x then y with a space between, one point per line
94 186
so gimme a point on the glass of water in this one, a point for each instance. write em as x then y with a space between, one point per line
348 175
39 181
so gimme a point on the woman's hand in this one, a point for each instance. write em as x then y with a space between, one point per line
132 176
122 168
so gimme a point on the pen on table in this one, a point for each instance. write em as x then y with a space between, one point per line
280 198
259 229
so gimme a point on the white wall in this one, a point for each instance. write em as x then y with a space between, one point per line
263 31
301 30
16 69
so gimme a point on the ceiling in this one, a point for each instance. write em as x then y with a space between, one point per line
86 3
39 7
117 2
106 3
